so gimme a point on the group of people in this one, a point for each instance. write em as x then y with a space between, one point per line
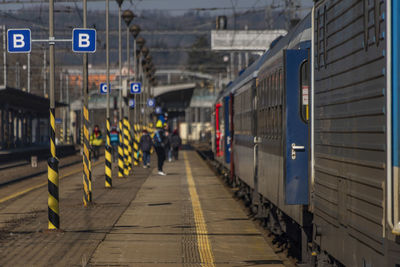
165 144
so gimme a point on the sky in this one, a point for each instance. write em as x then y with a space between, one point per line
176 7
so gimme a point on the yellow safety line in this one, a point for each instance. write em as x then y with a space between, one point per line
23 192
203 243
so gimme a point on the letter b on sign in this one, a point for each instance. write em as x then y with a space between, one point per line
84 40
19 40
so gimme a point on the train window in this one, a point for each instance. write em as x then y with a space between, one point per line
304 91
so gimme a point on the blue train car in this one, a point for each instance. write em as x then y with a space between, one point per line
271 114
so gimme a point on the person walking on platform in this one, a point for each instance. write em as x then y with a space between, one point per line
167 144
159 146
145 145
96 141
114 142
176 143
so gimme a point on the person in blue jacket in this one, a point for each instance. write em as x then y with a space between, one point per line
114 142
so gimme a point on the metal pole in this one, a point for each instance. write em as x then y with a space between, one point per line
239 62
128 153
53 204
141 97
135 79
61 87
29 72
108 160
121 136
4 56
17 78
62 129
44 73
129 68
87 179
68 119
232 67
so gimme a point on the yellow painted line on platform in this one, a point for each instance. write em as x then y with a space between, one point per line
23 192
203 243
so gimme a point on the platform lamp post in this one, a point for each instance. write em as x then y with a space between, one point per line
148 66
145 52
53 179
135 30
120 147
107 154
127 16
140 42
87 164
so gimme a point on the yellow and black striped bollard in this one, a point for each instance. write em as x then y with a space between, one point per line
108 164
120 152
126 146
135 146
53 200
87 176
130 148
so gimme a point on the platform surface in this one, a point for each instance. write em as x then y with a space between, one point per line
187 218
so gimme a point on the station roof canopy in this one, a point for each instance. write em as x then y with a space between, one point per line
18 99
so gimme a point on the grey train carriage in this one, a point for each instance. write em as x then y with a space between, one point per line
314 131
354 185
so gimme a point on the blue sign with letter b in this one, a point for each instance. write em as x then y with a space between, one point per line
19 40
84 40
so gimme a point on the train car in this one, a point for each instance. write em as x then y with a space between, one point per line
225 105
271 138
355 188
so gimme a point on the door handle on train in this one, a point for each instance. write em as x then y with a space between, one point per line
294 148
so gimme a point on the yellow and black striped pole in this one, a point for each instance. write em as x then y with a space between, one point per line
108 161
87 179
120 152
53 201
126 146
130 159
52 170
135 145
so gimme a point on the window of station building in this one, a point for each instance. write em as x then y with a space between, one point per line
304 91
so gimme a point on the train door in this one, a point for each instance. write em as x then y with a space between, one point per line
227 134
231 130
296 132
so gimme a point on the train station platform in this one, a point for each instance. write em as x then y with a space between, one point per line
187 218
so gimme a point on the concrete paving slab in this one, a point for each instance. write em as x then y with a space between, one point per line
176 220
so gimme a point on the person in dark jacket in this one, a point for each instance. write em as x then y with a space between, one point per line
145 145
167 144
114 142
159 146
176 143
